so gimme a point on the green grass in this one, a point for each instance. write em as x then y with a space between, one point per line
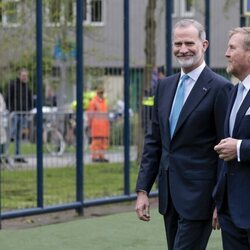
28 148
100 180
114 232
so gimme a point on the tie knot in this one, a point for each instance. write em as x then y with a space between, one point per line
183 79
241 88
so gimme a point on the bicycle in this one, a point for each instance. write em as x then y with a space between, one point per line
70 131
53 140
56 141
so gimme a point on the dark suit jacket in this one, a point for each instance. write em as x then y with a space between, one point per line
236 175
189 158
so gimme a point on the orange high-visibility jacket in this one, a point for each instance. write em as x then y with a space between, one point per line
98 117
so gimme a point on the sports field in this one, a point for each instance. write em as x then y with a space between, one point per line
113 232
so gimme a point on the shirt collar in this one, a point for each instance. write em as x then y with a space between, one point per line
194 75
246 82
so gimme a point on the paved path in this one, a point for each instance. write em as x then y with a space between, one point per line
67 160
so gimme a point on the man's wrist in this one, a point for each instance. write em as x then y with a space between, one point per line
141 191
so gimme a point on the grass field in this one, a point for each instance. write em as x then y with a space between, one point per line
113 232
100 180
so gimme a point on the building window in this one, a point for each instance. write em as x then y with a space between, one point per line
69 12
187 8
10 12
60 12
96 11
93 12
54 11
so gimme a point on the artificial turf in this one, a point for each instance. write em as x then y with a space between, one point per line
113 232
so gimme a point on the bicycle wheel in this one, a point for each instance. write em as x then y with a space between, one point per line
54 141
6 163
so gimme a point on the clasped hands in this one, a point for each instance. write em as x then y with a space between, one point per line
227 149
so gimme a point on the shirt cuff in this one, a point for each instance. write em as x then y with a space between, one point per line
238 149
143 191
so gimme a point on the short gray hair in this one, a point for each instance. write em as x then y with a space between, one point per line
244 31
191 22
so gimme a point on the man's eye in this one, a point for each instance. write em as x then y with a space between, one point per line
189 44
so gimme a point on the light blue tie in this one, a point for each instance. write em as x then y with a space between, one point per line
179 100
236 106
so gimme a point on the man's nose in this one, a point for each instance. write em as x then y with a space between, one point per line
183 48
227 54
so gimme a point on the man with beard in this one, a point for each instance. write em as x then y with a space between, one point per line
188 118
232 192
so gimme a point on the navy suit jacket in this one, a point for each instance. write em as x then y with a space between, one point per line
236 175
187 163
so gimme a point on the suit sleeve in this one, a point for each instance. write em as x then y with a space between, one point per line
220 109
245 151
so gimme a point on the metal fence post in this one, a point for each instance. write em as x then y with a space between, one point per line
168 23
79 109
126 99
39 80
242 17
207 25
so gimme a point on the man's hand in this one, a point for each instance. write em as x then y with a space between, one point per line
142 206
227 149
215 221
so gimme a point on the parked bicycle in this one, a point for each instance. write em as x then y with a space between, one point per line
59 130
70 131
52 137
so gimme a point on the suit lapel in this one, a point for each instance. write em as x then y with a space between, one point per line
242 110
199 91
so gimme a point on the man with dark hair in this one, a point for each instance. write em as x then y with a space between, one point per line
19 101
187 122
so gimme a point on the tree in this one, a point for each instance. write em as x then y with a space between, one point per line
150 62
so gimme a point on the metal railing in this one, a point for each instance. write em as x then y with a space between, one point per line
58 162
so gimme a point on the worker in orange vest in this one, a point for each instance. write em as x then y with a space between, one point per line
99 126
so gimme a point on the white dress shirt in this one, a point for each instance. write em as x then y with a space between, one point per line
246 83
190 82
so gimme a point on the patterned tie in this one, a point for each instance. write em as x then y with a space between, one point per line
236 107
179 100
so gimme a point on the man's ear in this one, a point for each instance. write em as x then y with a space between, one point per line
205 45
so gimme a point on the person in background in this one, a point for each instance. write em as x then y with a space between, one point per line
3 134
19 101
99 126
50 99
232 193
154 81
157 74
188 118
161 73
